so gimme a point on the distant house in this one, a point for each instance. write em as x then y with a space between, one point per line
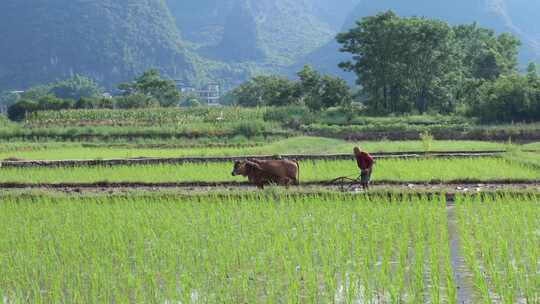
211 94
183 87
208 94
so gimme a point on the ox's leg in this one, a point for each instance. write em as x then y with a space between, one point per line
285 181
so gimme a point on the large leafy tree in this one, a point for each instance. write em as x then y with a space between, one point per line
151 84
510 98
484 56
401 63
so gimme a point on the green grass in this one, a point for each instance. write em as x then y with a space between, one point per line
532 146
501 241
485 169
531 159
250 249
296 145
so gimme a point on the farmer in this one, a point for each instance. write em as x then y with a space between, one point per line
365 163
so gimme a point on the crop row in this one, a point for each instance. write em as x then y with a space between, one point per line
485 169
501 242
294 145
251 249
143 117
266 248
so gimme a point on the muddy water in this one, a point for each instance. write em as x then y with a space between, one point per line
463 279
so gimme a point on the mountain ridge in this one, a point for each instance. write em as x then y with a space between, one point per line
110 41
225 41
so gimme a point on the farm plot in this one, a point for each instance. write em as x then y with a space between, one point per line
143 117
501 242
295 145
400 170
226 249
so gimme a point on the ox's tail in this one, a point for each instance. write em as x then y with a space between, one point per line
297 172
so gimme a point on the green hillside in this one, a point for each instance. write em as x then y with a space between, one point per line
108 40
270 32
226 41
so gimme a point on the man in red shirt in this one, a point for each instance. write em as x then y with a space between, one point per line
365 163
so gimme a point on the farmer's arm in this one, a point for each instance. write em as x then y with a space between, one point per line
359 162
370 161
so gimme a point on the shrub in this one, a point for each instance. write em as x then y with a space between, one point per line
18 110
137 100
427 141
250 129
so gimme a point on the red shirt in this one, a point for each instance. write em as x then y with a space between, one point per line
364 160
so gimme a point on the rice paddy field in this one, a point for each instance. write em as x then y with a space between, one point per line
278 245
266 248
249 249
401 170
501 244
295 145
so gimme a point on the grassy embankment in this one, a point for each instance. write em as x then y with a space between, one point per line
261 123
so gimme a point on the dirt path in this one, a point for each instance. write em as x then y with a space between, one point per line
396 187
464 285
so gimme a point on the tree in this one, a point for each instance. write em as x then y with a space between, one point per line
510 98
53 103
36 92
309 86
335 92
191 101
484 55
319 92
532 72
75 88
416 64
20 109
151 84
94 103
266 91
9 98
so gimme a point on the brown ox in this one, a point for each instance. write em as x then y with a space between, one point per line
263 172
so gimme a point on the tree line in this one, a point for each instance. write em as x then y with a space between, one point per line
148 90
415 66
312 89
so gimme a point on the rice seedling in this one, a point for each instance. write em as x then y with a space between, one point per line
501 241
294 145
267 248
404 170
